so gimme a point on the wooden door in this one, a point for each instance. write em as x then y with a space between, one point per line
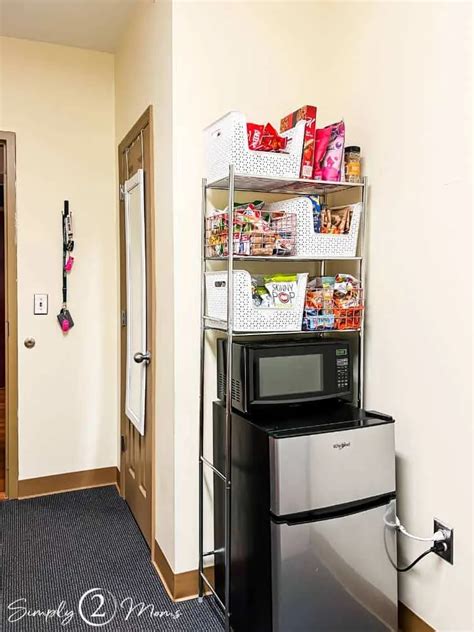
137 314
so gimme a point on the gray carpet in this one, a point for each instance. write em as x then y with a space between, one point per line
55 549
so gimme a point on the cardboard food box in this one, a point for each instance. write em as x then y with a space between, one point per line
306 113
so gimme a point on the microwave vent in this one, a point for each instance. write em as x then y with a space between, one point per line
236 393
221 386
236 390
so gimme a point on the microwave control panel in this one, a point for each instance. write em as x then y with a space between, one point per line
342 374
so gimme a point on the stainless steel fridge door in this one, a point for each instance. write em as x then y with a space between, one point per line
336 574
322 470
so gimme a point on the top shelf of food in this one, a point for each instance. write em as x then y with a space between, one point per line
301 159
299 186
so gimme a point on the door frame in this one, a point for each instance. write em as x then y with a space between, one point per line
146 119
8 139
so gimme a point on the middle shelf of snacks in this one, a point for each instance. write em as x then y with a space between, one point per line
304 227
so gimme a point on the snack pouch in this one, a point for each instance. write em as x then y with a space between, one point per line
282 288
254 134
314 199
336 221
260 295
323 136
318 321
346 291
265 138
334 156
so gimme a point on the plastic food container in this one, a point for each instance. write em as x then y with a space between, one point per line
246 316
312 244
226 143
352 166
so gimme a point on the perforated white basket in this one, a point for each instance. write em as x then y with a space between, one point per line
226 143
311 244
248 317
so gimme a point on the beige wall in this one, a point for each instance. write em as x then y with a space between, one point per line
60 103
405 100
248 57
143 77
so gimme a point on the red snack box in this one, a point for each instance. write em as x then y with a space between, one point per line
306 113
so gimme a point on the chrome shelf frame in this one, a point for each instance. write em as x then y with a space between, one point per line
283 259
282 186
300 186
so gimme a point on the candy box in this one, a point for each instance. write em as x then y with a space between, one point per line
306 113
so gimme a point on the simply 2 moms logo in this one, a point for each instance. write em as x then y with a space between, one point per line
97 607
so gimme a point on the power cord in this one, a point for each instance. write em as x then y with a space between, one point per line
438 538
436 548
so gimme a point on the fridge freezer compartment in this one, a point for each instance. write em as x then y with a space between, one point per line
336 573
312 472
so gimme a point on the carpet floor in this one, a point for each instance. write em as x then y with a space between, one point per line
77 561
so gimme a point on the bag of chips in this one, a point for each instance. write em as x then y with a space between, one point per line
265 138
322 141
333 158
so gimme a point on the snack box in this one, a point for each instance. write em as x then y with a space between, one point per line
306 113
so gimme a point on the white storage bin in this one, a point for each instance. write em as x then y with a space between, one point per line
248 317
226 143
311 244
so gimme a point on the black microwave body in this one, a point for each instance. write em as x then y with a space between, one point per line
280 373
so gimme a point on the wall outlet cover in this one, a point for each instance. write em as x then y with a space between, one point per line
447 555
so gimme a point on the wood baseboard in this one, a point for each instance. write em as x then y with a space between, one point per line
67 482
408 621
179 586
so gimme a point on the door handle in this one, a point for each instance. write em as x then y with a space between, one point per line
142 357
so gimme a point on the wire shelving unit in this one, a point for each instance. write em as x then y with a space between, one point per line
232 184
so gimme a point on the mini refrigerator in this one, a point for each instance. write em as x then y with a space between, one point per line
311 493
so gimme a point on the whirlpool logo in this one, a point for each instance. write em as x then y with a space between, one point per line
342 445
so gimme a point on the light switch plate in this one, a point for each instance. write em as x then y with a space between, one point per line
41 304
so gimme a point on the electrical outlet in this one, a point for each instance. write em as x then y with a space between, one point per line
448 554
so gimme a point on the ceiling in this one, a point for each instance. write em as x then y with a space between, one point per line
95 24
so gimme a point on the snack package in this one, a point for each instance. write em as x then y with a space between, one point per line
319 293
318 321
260 295
335 221
254 134
334 157
346 291
318 312
274 290
256 232
323 136
306 113
315 201
282 289
265 138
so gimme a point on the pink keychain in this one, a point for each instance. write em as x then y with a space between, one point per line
69 263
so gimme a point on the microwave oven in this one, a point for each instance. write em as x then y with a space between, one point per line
280 373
